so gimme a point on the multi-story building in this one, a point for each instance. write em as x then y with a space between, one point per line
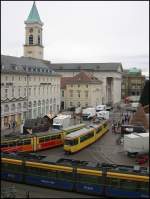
29 88
109 73
132 83
82 90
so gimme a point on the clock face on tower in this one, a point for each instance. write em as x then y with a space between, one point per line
31 30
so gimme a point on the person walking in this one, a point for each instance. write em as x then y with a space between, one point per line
9 125
113 128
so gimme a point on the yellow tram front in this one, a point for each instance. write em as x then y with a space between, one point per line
79 139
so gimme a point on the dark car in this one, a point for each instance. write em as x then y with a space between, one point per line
127 129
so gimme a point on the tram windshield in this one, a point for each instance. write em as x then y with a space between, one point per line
71 142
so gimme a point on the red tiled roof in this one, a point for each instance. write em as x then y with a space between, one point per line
64 81
82 77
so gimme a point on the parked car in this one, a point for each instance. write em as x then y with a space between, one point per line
141 159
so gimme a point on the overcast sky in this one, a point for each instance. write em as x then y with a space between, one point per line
82 31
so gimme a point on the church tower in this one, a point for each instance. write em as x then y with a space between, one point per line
33 35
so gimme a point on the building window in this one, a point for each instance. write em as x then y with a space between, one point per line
12 78
6 78
6 93
24 78
86 93
78 93
13 107
34 91
19 107
25 105
87 86
39 90
29 91
19 92
6 108
31 39
71 93
12 92
78 104
62 93
19 78
24 91
39 39
71 104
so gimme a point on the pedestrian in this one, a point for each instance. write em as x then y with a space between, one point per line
13 125
9 125
113 128
123 121
128 118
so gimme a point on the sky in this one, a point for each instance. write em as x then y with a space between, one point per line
82 31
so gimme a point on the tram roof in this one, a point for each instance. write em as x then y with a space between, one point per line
78 133
49 132
74 126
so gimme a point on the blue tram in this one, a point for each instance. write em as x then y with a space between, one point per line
80 176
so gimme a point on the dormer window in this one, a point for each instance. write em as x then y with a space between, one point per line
31 39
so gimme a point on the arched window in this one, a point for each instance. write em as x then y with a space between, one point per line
6 108
13 107
43 102
25 105
39 39
30 104
19 106
31 39
34 104
39 103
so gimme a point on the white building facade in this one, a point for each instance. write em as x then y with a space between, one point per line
27 91
29 88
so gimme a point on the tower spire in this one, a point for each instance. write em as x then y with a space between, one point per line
33 35
34 15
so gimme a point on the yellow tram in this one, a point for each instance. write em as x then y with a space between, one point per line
80 139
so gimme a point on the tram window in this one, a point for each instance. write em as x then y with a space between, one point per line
87 136
53 137
113 182
105 124
12 167
98 129
4 145
58 136
127 184
41 140
144 186
12 144
19 142
48 138
71 142
52 174
27 141
89 178
65 175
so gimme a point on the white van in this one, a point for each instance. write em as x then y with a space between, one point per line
103 115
